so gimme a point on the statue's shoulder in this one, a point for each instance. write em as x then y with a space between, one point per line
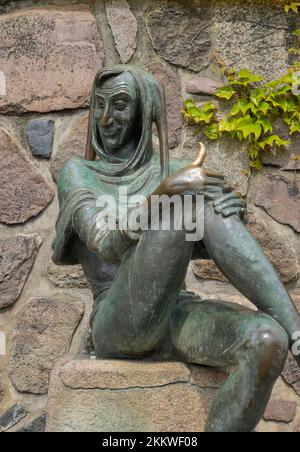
72 164
71 167
73 174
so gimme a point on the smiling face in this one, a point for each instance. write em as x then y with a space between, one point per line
116 111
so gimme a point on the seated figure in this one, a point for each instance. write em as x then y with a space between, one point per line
137 276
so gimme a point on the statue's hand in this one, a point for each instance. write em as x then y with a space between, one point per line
192 179
230 205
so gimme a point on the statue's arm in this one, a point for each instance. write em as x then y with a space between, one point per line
108 245
79 214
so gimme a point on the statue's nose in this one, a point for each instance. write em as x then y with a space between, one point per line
106 119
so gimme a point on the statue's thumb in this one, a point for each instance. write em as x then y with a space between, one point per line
201 156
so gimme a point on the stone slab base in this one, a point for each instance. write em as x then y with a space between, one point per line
129 396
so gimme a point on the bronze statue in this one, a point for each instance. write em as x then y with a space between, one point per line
137 276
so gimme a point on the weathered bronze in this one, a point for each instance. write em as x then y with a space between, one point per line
140 308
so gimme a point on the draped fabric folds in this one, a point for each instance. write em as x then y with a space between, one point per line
82 181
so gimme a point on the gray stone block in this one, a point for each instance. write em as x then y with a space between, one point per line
38 425
12 416
39 133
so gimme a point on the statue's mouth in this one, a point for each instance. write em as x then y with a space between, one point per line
110 133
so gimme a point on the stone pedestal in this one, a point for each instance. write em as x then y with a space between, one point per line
129 396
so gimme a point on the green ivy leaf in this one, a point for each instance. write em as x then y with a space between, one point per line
287 8
226 92
277 101
257 164
212 131
292 7
242 106
253 152
229 124
207 117
294 51
203 116
189 103
236 82
283 89
193 112
274 140
295 127
239 135
273 84
249 76
263 108
209 106
266 125
279 83
291 105
287 119
248 126
231 74
257 95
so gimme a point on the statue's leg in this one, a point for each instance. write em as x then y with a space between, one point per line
242 261
133 318
224 335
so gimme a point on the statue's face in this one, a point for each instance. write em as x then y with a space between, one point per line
116 109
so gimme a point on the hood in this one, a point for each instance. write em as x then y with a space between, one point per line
152 111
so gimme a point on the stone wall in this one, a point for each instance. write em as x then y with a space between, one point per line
49 53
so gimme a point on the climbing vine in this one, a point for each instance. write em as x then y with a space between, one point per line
248 108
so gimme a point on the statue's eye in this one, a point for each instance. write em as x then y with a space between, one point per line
120 105
101 103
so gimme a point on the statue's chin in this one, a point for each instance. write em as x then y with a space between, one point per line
112 145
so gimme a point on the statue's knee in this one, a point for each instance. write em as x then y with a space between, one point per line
269 344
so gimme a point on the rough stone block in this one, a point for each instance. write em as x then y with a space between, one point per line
207 269
171 83
24 191
123 25
12 416
17 256
67 276
129 396
278 244
43 334
280 411
251 36
39 133
38 425
291 374
280 197
71 144
203 86
49 57
182 35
